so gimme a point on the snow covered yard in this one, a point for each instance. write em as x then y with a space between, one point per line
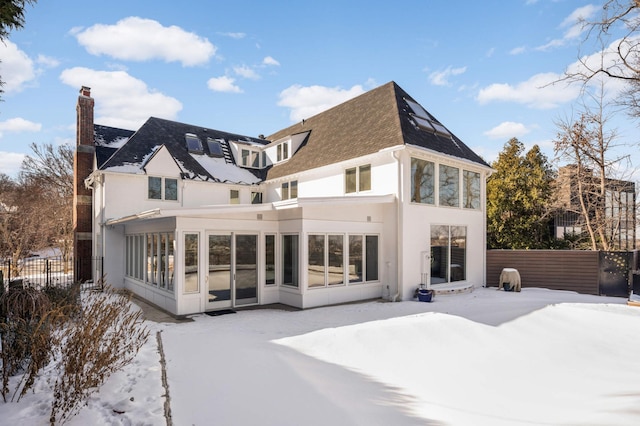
484 358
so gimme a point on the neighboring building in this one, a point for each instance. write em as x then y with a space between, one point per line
619 207
366 200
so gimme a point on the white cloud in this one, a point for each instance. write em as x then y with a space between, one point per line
223 84
138 39
16 68
19 124
10 162
47 61
121 100
538 92
574 24
270 61
307 101
506 130
441 78
517 50
237 36
246 72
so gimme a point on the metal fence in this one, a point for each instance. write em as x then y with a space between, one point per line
55 271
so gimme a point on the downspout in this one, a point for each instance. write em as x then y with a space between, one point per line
399 214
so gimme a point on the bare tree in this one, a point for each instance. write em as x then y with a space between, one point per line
51 170
618 58
590 147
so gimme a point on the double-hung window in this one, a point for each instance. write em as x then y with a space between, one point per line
289 190
357 179
162 188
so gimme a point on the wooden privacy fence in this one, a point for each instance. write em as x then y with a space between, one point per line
574 270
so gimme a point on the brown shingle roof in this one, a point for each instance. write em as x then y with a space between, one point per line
375 120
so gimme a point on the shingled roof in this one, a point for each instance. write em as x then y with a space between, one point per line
157 132
378 119
108 140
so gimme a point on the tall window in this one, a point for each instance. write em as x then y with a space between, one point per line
170 189
335 260
316 264
371 249
470 190
449 186
355 259
191 280
290 260
270 259
422 181
448 253
357 179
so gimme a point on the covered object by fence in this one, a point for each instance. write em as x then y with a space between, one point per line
582 271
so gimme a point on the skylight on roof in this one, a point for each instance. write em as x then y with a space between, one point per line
215 147
425 121
194 145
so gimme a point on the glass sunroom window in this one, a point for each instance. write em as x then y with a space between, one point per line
470 190
449 193
290 260
422 181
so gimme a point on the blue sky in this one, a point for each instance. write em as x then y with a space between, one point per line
254 67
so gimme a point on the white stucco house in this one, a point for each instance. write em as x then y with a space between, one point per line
366 200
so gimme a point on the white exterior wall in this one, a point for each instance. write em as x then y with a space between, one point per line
417 220
403 228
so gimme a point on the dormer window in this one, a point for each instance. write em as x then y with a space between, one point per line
215 147
250 158
282 151
194 145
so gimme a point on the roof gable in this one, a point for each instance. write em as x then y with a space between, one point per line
378 119
158 132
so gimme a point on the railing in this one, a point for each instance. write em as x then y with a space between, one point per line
40 272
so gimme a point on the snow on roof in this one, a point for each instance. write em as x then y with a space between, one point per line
224 171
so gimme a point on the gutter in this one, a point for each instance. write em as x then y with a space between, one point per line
399 214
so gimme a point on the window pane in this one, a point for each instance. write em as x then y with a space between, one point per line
162 261
294 189
256 198
350 180
279 153
290 260
439 254
458 253
336 263
285 150
191 263
355 258
372 258
471 190
155 188
255 159
234 196
284 191
154 260
194 145
449 188
149 261
245 157
170 189
316 268
422 181
215 149
270 259
170 257
365 178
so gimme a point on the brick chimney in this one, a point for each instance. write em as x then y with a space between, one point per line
82 197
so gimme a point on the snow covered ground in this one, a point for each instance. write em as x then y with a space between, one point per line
538 357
